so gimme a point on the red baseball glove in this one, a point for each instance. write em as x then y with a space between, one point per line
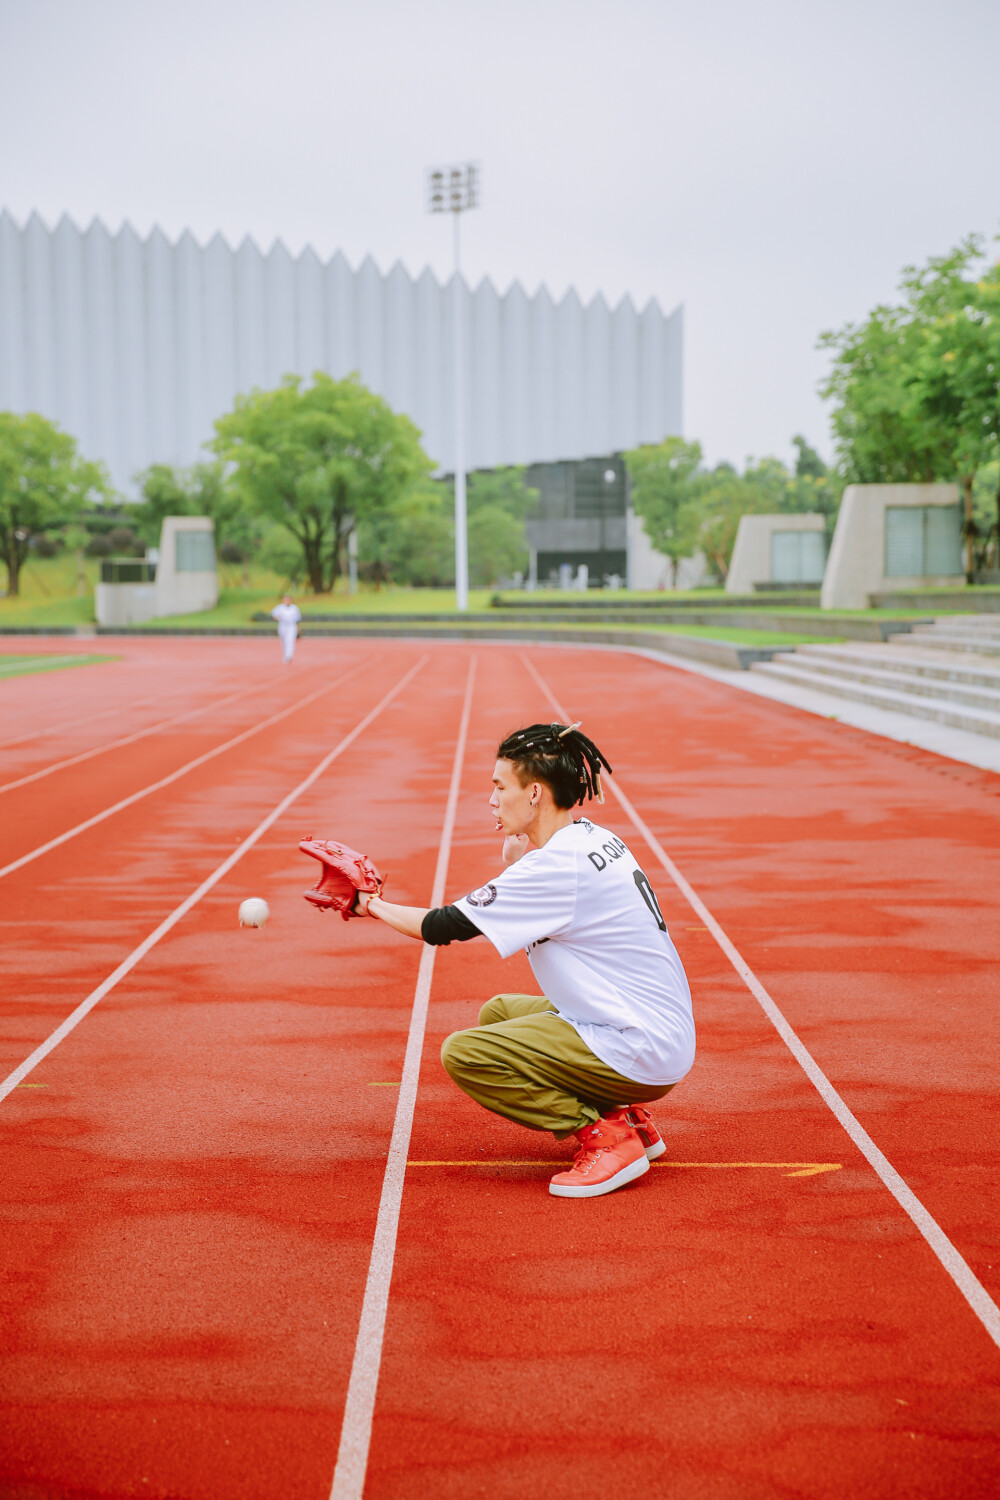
345 872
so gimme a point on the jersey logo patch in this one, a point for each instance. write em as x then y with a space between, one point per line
485 896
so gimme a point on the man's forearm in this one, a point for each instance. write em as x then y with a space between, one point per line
405 919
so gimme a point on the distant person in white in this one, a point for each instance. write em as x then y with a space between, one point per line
288 616
613 1029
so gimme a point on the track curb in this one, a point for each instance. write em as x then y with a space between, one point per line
718 653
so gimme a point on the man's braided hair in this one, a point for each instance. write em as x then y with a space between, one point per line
558 754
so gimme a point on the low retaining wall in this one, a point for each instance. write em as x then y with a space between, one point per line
968 601
800 598
848 628
42 630
718 653
730 654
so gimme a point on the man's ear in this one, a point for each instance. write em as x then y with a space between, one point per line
536 793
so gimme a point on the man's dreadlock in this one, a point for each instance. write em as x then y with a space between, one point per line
562 757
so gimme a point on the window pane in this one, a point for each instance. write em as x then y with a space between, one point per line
813 556
195 552
943 538
786 556
904 541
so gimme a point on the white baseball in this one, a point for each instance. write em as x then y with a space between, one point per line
254 912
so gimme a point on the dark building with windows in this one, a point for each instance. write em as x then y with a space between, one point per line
580 519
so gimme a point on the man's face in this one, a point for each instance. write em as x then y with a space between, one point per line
514 806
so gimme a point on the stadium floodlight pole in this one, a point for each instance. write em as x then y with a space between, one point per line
453 190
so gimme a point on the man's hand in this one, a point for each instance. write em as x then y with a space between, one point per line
515 845
345 873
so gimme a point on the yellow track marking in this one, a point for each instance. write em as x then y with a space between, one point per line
392 1084
31 1085
790 1168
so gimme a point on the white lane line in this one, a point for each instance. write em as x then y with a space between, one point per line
138 954
356 1432
130 739
191 765
961 1273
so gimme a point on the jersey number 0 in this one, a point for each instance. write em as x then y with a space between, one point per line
649 896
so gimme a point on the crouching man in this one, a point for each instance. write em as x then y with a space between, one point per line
613 1028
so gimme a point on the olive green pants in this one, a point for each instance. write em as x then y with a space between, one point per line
526 1063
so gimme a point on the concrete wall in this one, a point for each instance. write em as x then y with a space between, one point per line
125 603
649 569
135 346
181 591
178 590
751 561
856 565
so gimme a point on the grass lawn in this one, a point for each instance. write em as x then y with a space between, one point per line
722 633
746 637
237 606
19 666
49 597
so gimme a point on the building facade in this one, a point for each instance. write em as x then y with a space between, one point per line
580 518
135 346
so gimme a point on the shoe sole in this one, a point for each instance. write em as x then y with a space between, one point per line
652 1152
627 1174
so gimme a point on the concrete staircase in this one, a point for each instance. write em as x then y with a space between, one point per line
947 671
976 633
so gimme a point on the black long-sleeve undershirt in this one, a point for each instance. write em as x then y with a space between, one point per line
446 924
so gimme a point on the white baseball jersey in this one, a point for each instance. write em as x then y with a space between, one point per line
588 919
286 614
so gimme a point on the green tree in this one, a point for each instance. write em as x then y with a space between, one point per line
164 493
498 503
664 477
708 521
982 379
502 489
813 487
202 490
956 379
280 552
917 387
76 538
497 545
881 436
411 542
946 383
808 464
44 484
319 459
687 508
986 516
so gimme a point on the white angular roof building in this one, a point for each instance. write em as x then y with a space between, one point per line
135 346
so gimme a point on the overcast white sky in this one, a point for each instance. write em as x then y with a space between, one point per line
772 164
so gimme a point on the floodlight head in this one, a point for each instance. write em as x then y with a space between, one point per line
453 189
610 476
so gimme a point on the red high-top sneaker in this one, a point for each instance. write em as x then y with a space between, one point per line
642 1122
609 1155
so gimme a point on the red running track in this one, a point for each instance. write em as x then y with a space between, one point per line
193 1174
